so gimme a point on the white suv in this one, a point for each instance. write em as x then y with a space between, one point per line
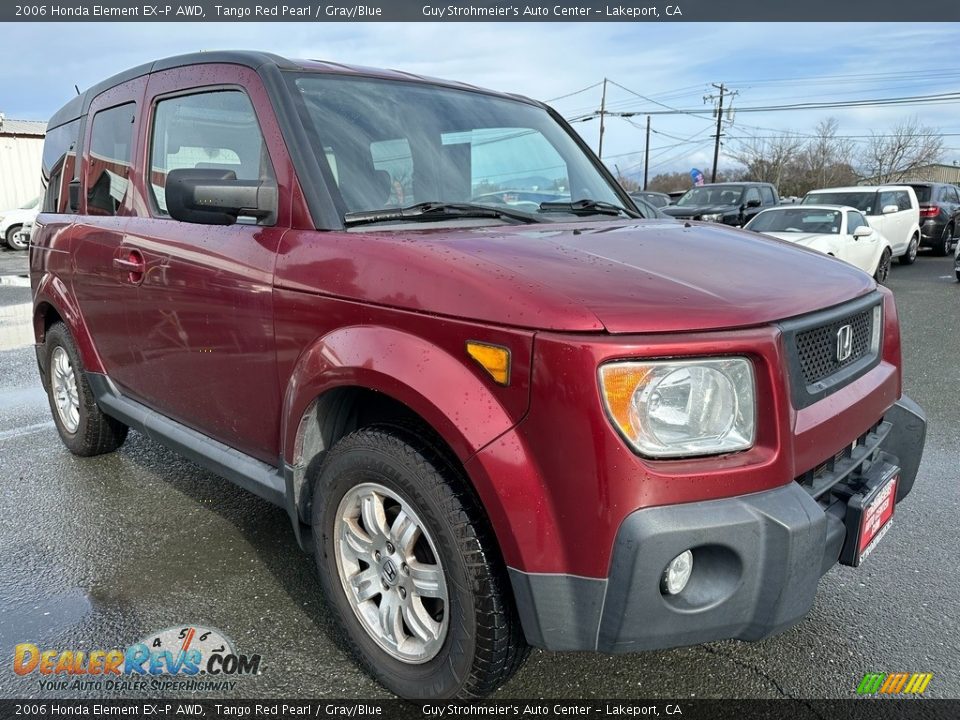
892 210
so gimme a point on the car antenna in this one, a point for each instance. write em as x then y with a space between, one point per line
77 88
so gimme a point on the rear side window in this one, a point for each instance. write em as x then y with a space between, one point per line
108 169
949 195
215 130
58 166
903 200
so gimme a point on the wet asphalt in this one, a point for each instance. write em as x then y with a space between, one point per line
98 553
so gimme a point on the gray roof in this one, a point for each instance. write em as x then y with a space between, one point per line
22 127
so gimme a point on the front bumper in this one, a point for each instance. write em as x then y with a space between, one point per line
757 561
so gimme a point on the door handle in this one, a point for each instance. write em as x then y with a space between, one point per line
128 265
133 265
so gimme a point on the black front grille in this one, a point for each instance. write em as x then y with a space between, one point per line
817 347
846 463
811 343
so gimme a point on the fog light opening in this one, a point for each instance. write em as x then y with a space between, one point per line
677 574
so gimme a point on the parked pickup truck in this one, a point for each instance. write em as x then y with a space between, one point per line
493 425
732 203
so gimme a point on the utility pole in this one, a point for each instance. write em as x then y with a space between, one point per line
646 155
719 110
603 112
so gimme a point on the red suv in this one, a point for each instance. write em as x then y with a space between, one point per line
500 407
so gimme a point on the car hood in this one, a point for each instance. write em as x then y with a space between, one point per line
686 211
622 277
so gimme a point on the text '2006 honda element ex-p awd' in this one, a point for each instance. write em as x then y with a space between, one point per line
501 407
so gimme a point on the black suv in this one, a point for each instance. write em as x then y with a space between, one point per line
939 215
731 203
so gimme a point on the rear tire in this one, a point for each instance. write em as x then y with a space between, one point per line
84 429
12 241
473 641
942 247
910 256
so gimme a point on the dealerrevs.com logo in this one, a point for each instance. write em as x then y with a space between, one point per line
187 658
894 683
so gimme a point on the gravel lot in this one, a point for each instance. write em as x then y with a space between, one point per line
99 552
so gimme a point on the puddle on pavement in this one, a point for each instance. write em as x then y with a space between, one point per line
29 622
16 330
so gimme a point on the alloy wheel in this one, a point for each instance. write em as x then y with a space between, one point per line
66 397
391 573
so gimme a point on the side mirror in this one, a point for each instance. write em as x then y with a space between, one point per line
216 197
73 196
753 203
887 209
863 231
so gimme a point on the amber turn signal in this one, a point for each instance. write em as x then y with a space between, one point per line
492 358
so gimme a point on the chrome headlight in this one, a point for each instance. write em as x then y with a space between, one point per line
712 217
679 408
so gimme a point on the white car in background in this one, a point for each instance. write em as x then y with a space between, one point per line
12 222
892 210
842 232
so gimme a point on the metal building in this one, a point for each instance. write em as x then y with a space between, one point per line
21 146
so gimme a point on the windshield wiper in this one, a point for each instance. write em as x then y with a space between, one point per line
436 211
587 207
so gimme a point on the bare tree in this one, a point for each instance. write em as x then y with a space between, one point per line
825 160
769 159
891 156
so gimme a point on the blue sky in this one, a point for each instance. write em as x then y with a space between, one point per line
671 63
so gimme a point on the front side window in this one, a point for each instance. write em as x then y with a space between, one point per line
108 167
390 145
752 195
767 193
855 220
215 131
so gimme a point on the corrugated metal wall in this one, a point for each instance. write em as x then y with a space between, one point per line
19 170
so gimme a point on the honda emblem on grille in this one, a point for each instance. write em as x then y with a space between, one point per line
844 343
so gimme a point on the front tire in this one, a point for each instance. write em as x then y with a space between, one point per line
410 568
13 242
83 428
883 267
910 256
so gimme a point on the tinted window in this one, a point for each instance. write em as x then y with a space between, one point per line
949 194
862 201
108 169
767 194
855 220
888 198
923 192
58 165
753 194
208 131
903 200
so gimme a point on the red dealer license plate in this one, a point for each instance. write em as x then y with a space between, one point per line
869 517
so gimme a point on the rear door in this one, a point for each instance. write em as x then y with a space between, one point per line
206 341
104 283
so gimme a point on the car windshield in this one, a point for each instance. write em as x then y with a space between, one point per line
712 195
391 145
798 220
862 201
31 205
